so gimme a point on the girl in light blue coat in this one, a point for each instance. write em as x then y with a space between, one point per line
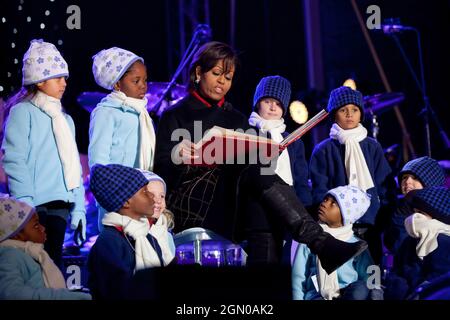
26 270
121 130
340 208
41 157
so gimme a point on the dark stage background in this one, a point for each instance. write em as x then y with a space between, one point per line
268 34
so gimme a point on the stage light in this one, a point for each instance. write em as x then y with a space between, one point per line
298 112
16 61
28 19
13 45
3 19
60 42
350 83
1 88
47 12
42 26
14 30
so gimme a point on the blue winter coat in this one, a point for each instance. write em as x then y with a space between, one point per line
299 169
111 264
304 269
31 159
327 171
114 134
21 278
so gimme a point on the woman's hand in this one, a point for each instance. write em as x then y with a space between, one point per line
185 152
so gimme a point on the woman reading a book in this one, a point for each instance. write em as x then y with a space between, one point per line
205 196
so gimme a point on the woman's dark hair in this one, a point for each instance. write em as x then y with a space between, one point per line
208 55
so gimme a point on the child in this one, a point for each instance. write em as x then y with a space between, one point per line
41 157
128 242
423 256
26 270
338 211
350 157
121 130
423 172
270 104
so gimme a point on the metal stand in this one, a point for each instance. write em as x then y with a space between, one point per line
427 110
201 34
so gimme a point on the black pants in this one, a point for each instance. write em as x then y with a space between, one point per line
53 217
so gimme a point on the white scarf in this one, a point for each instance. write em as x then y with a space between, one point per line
65 141
328 283
146 256
53 277
355 164
426 230
147 132
275 128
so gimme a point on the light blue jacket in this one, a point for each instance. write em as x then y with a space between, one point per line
114 134
31 159
305 268
21 278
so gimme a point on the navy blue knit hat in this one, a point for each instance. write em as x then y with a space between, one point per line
275 87
342 96
426 170
113 184
434 200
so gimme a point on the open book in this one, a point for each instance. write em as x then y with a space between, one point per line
225 146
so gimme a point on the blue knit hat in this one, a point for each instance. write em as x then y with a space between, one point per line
275 87
113 184
426 169
353 202
433 200
341 97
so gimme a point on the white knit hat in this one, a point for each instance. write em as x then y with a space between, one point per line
14 215
109 65
352 201
41 62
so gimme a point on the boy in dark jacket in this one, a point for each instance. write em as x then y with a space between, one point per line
128 242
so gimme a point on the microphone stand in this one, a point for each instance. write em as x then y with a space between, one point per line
197 38
427 111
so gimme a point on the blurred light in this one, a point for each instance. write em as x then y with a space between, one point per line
42 26
1 89
28 19
16 61
19 8
47 12
3 19
350 83
298 112
13 45
9 74
14 30
60 42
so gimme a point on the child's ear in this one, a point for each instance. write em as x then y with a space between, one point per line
126 205
117 86
40 84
